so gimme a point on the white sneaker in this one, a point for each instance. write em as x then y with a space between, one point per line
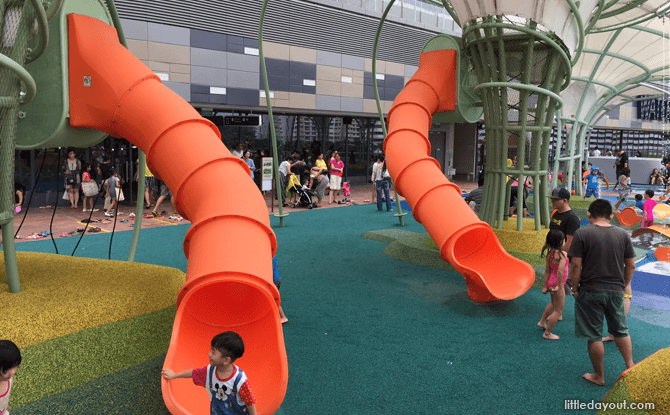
111 215
95 210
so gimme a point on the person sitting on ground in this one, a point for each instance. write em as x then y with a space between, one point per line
229 389
656 178
623 182
555 276
476 195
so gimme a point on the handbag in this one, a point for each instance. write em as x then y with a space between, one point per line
71 180
121 198
89 188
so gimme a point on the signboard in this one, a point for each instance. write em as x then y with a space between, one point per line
242 120
266 173
653 109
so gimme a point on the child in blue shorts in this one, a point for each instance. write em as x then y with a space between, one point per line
276 279
591 183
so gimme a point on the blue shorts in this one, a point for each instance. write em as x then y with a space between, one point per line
592 192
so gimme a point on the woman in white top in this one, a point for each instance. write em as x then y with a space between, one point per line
382 180
72 170
239 150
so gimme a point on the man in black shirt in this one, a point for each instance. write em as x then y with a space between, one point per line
565 220
620 163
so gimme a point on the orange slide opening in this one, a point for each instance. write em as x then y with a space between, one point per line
466 242
230 244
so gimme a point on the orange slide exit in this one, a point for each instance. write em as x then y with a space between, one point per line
464 241
230 244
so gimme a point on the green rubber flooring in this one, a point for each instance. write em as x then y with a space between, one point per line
369 334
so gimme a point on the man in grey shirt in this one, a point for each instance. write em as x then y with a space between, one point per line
601 270
476 195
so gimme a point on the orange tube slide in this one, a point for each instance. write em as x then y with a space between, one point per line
465 242
230 244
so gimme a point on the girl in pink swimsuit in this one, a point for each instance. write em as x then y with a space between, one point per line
555 276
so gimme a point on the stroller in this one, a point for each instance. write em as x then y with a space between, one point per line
304 196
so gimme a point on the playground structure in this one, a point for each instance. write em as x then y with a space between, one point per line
521 60
115 93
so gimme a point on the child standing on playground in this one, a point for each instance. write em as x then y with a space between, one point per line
591 183
86 178
10 359
276 279
623 183
113 187
226 384
648 209
555 276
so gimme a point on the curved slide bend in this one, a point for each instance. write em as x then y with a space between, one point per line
230 244
465 242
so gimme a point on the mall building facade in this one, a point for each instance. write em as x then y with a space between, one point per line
319 67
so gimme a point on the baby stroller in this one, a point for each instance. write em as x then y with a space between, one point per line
304 196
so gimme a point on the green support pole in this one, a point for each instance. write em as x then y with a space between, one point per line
400 213
557 155
275 162
141 166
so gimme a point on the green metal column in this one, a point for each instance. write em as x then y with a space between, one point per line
12 58
516 60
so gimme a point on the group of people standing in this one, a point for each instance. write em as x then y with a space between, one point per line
594 264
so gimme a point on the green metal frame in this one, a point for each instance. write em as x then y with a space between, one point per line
495 203
275 162
400 213
142 162
12 65
631 23
582 125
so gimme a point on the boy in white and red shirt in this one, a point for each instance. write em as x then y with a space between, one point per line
226 383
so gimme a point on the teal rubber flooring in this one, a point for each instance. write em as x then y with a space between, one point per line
368 334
